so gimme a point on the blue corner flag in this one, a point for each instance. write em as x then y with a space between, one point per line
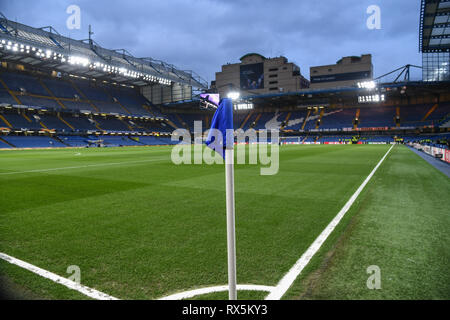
221 121
217 140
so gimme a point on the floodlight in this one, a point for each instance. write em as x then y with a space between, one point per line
367 85
233 95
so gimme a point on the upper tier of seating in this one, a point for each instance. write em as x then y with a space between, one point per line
73 94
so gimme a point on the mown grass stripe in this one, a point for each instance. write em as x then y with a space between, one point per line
289 278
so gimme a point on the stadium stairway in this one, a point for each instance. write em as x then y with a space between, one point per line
149 110
255 123
181 121
127 124
116 101
43 125
83 95
7 143
434 107
320 119
26 117
97 125
61 141
33 141
355 124
169 122
140 127
306 120
122 106
5 121
246 119
53 122
286 120
10 92
51 94
65 122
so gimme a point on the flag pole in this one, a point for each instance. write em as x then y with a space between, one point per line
231 237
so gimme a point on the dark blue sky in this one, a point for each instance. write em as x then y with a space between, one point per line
201 35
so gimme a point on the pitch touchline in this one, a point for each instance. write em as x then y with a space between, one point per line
289 278
80 167
95 294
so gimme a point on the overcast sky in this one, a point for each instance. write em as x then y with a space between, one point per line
201 35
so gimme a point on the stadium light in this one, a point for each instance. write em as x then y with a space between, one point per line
372 98
367 85
45 54
234 95
243 106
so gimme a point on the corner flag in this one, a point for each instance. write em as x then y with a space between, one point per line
221 121
224 144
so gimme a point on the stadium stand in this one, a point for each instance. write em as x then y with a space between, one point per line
74 141
251 122
341 118
4 145
155 141
19 121
76 106
33 142
6 98
376 117
296 120
264 118
51 121
60 88
111 124
112 141
23 83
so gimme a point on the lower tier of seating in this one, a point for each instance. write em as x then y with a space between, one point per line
33 142
61 141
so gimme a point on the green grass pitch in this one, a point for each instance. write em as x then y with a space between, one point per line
140 227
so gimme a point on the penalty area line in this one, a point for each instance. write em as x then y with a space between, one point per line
285 283
92 293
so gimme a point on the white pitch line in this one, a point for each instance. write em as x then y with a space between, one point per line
289 278
95 294
201 291
275 292
80 167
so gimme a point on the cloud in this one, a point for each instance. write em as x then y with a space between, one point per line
201 35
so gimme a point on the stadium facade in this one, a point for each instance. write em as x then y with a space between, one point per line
347 72
256 74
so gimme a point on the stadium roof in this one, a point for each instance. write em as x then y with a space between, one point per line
347 96
434 26
46 48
